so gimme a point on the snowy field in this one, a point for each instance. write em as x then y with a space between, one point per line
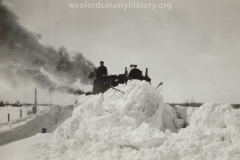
136 125
15 112
47 117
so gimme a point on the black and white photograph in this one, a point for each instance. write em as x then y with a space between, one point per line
119 80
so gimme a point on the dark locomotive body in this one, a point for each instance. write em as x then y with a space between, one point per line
103 83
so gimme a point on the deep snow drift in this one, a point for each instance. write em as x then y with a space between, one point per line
135 125
138 125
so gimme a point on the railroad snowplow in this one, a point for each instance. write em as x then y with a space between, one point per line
103 83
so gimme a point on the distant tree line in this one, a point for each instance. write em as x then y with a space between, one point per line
18 104
236 105
195 104
186 104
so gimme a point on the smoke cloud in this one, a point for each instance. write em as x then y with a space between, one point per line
23 58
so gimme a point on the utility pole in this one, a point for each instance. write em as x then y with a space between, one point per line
35 105
36 99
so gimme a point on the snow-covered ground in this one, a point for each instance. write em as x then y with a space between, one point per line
135 125
15 112
48 118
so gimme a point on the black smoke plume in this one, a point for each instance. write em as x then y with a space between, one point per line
23 57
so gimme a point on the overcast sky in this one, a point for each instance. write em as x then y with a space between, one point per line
192 48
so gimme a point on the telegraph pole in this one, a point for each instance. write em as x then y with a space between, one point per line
36 99
35 105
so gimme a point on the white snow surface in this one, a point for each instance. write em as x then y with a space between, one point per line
139 125
15 112
135 125
48 118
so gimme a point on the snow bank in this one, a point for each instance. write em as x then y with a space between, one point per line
181 112
116 120
210 114
137 125
213 133
45 118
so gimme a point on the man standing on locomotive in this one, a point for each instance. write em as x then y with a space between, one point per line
102 70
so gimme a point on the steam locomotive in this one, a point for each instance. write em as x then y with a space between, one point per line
103 83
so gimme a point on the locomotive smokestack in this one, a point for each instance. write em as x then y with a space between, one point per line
146 73
125 70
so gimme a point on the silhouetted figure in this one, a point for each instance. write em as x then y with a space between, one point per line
34 110
102 70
